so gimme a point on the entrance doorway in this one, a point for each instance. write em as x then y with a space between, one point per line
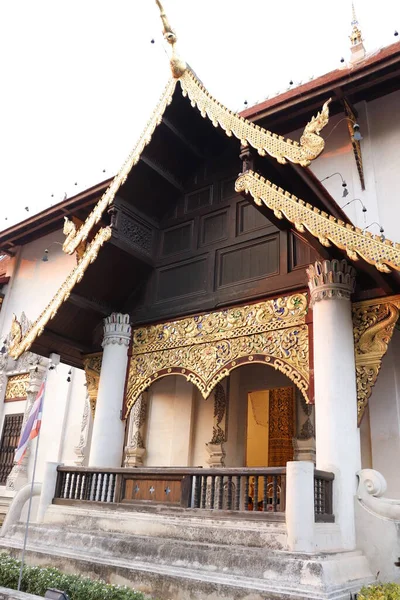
269 435
270 427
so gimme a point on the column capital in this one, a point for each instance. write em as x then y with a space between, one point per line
117 330
331 279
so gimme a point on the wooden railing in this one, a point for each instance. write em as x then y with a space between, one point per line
323 491
230 489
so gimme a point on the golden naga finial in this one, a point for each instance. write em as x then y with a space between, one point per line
178 66
311 141
356 35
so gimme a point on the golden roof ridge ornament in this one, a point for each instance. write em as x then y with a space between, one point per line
356 35
265 142
356 242
178 66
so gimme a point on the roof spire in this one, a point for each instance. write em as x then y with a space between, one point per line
178 66
357 46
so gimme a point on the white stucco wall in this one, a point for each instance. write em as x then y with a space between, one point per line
169 429
384 406
379 122
34 282
32 285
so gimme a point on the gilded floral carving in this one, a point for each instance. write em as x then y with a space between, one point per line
384 255
92 366
17 386
205 348
373 326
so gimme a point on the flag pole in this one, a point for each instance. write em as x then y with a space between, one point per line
29 507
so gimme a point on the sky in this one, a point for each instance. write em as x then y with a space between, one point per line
80 78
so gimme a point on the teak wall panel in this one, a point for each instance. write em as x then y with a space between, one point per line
177 239
183 279
213 227
218 250
249 261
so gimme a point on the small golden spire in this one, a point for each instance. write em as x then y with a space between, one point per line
178 66
356 36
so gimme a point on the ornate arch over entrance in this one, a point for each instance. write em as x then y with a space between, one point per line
205 348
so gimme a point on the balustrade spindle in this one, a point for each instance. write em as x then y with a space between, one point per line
196 499
74 485
84 486
229 493
63 484
237 495
203 491
274 492
255 499
265 494
212 492
246 492
98 486
221 492
68 486
112 487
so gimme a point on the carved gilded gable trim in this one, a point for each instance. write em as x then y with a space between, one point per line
206 348
373 325
356 242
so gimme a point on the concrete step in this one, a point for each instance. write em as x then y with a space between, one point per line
191 525
188 555
294 577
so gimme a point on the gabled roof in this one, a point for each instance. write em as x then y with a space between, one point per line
378 74
311 145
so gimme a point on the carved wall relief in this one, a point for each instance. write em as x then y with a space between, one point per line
92 366
205 348
215 447
373 326
135 448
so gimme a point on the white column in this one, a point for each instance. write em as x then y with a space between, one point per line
337 436
108 428
299 512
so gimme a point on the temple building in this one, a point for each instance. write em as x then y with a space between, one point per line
217 330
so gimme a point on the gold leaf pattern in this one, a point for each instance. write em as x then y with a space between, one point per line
205 348
373 326
324 227
17 386
311 143
92 367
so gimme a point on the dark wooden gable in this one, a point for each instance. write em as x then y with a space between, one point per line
183 240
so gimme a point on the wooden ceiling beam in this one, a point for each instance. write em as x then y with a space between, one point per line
181 136
66 341
92 305
162 172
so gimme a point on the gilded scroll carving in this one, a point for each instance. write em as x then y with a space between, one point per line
17 386
205 348
92 366
373 325
356 242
